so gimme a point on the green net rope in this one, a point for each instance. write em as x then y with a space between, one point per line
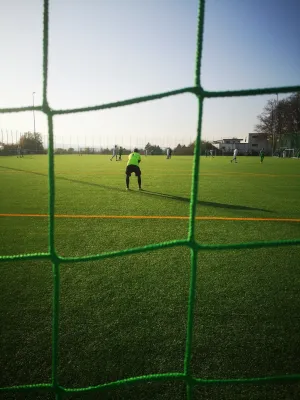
190 242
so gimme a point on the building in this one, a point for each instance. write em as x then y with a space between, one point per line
251 145
226 146
256 142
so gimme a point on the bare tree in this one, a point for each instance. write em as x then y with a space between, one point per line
32 141
280 119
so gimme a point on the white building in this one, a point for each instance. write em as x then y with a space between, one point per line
252 144
226 146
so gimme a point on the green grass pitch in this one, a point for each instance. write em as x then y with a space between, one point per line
126 316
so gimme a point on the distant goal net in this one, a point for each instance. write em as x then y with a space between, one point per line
288 153
210 153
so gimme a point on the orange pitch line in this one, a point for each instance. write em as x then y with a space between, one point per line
175 217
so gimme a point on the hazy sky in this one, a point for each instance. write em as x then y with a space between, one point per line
109 50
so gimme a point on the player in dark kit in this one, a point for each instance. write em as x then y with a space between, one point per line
120 153
134 160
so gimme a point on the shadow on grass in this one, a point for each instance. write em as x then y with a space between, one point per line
206 203
147 192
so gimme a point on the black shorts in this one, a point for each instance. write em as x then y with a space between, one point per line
133 168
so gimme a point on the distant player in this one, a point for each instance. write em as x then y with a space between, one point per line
120 153
168 153
234 156
262 155
114 153
20 153
134 160
211 153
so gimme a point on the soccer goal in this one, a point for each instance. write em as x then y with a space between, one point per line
288 153
210 153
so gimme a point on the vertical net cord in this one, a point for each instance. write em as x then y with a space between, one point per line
51 207
55 266
193 207
194 255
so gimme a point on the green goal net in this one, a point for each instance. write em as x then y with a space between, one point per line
190 242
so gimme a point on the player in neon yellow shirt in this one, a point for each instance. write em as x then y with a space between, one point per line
134 160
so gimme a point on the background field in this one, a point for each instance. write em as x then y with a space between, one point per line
127 316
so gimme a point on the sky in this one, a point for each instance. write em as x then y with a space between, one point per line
102 51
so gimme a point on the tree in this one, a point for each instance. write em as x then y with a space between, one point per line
190 149
8 149
59 150
206 146
280 120
177 149
32 142
153 149
184 150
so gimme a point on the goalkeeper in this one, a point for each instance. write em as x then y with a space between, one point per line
262 155
134 160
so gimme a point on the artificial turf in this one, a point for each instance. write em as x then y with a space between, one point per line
127 316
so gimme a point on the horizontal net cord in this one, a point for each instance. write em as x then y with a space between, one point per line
154 378
194 90
152 247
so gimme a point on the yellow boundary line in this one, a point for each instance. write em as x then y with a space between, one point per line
174 217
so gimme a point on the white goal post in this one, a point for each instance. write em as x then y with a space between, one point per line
210 153
288 153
